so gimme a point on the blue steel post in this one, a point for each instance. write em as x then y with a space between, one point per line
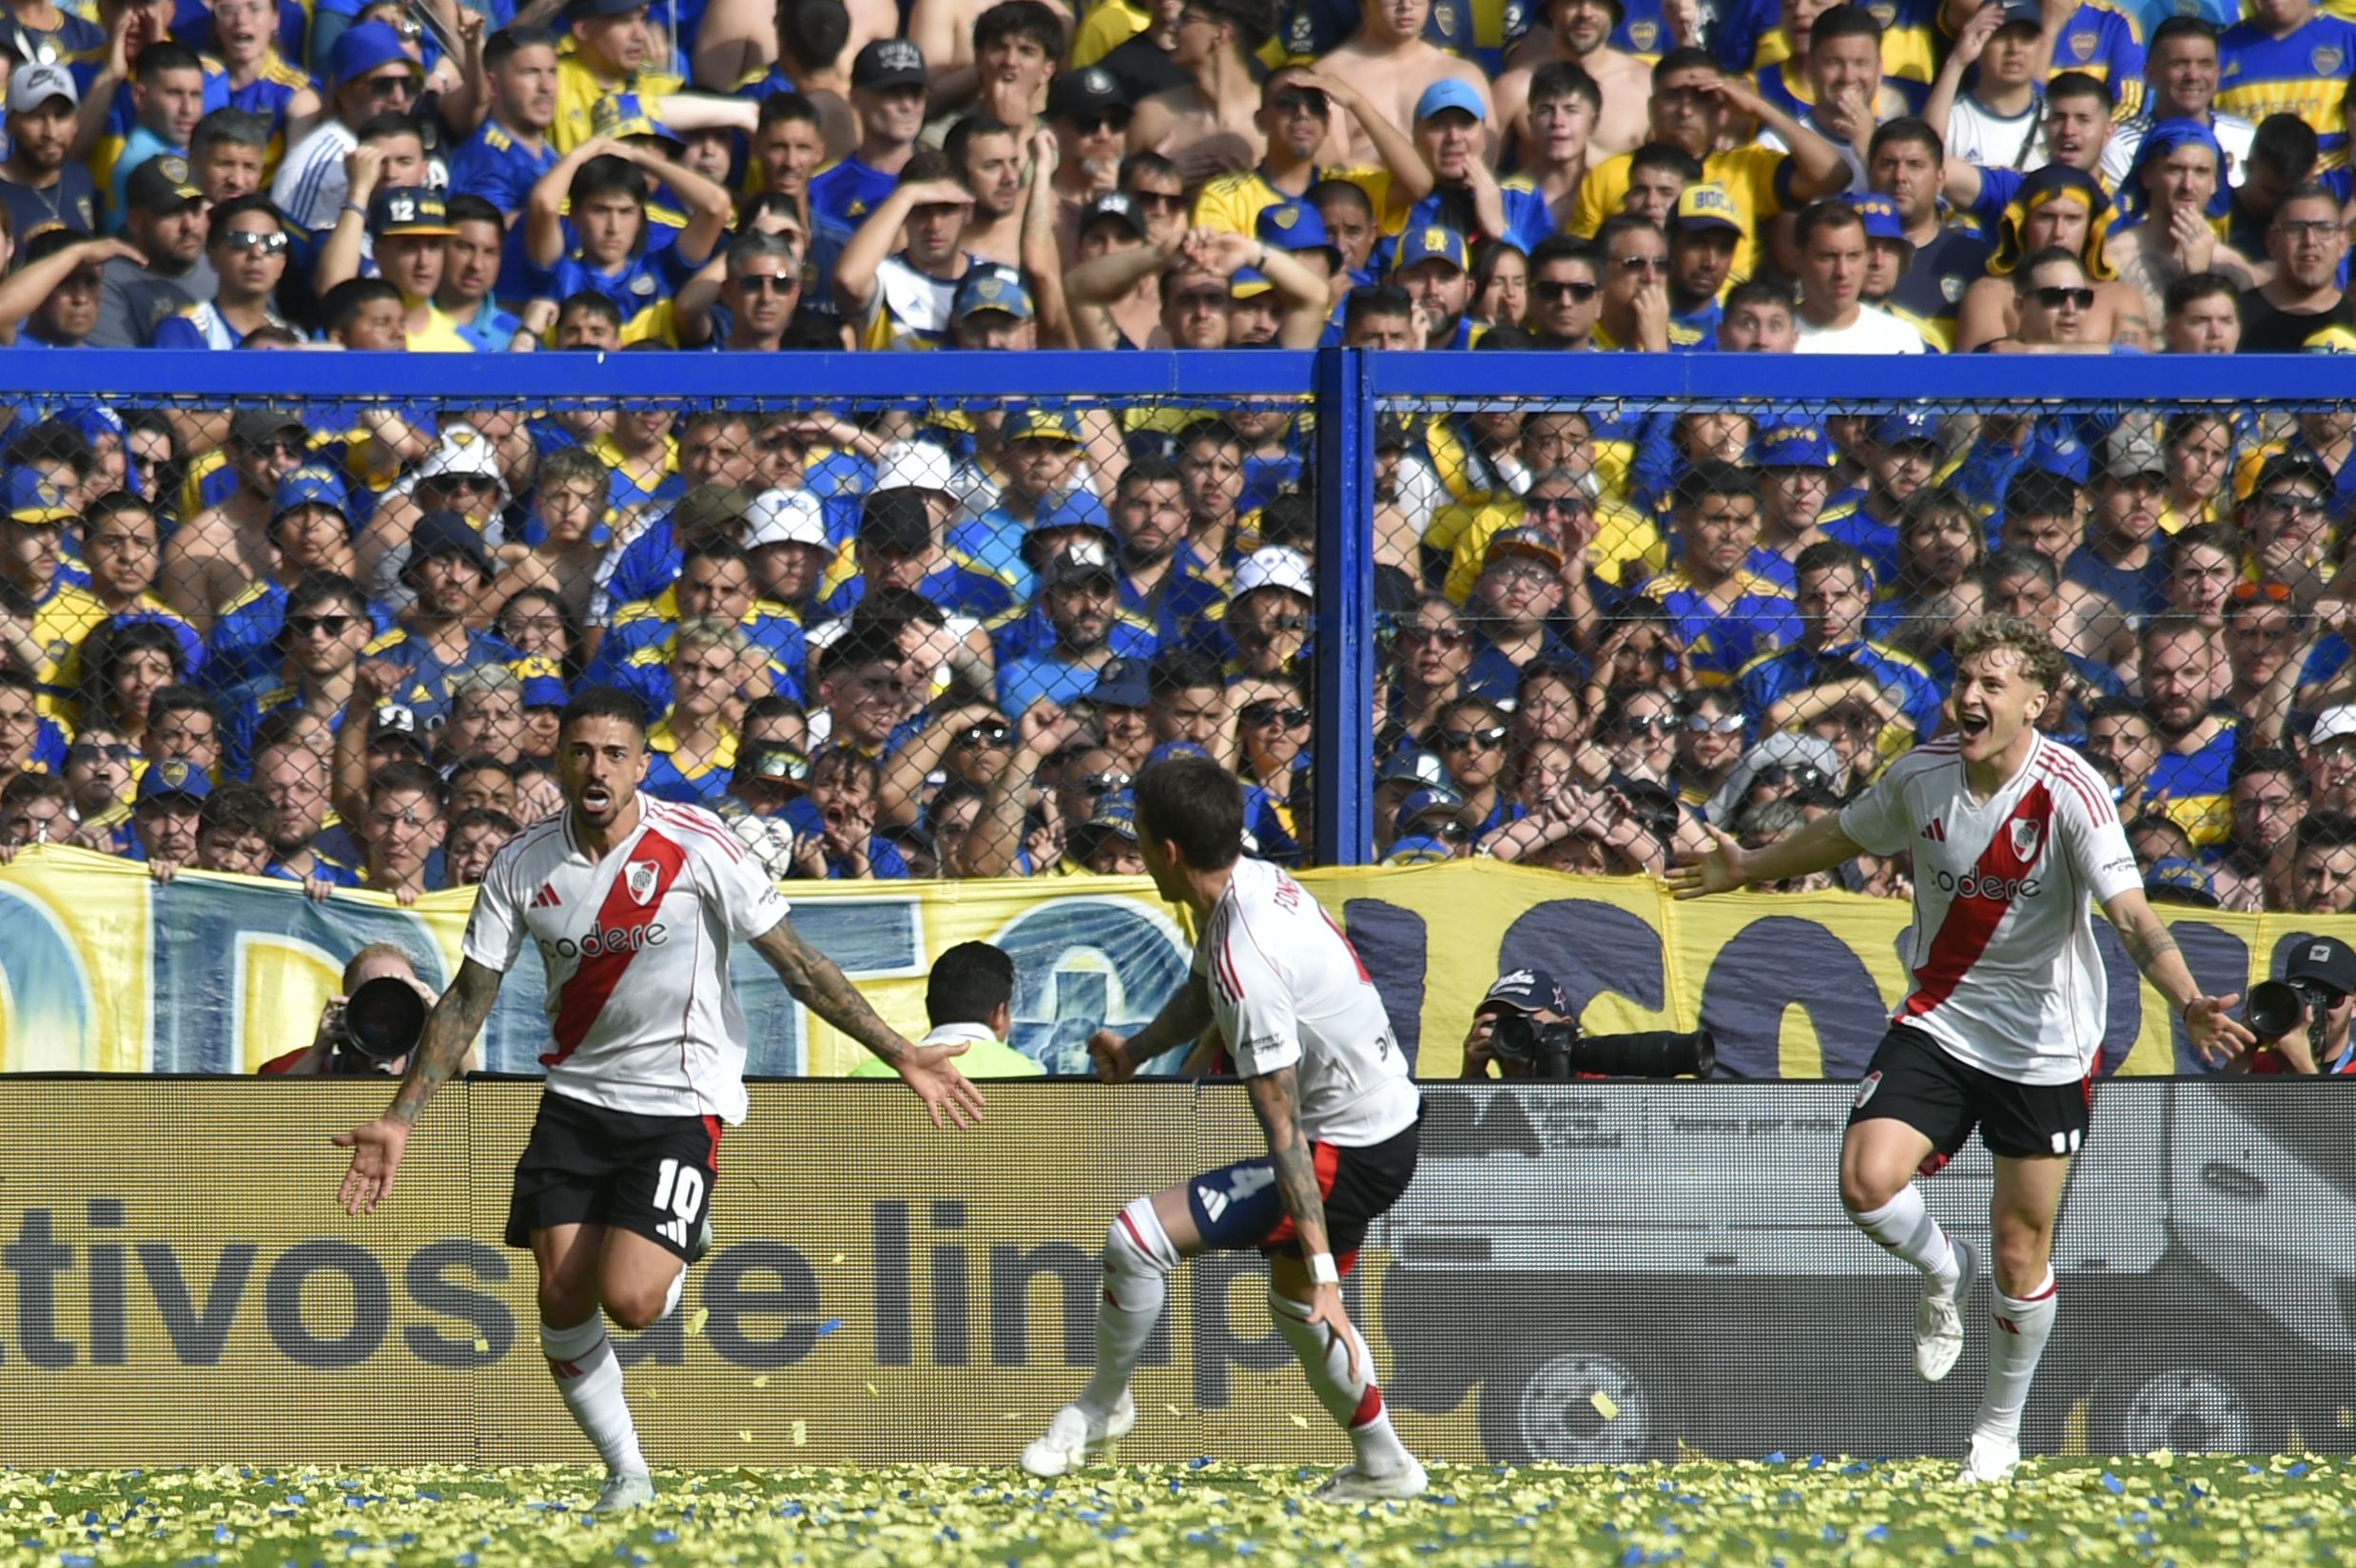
1344 682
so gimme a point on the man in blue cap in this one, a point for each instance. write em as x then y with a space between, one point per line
1902 458
448 567
993 311
1795 463
1433 271
1704 234
1450 134
1530 992
1888 252
44 616
1078 596
369 73
1428 828
310 531
170 807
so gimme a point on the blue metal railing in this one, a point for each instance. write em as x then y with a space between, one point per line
1343 389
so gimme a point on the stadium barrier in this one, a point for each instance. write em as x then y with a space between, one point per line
106 971
1579 1272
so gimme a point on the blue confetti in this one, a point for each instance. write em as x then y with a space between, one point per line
1776 1458
664 1538
2112 1484
2297 1470
828 1327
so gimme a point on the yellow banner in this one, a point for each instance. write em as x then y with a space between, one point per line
102 970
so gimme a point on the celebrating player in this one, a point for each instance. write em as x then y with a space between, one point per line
2012 834
633 902
1308 1035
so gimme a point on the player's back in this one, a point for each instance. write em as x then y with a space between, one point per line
2006 972
641 1013
1288 988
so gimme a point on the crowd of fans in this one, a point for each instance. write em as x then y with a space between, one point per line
327 642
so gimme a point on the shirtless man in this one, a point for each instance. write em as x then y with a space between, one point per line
989 157
1392 67
1211 125
944 30
1581 36
1557 145
2179 175
739 37
222 549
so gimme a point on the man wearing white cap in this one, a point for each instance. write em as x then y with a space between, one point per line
1268 612
785 541
42 183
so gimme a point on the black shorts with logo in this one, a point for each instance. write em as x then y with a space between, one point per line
586 1165
1237 1207
1912 1080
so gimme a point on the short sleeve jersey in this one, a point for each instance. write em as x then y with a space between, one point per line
1287 990
2006 974
641 1015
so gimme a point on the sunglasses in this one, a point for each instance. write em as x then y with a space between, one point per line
982 735
404 85
2272 593
306 626
763 283
278 447
82 756
1256 714
1546 504
1413 635
1098 125
1644 264
1158 201
1466 739
1655 724
1578 294
1105 784
2054 297
1702 724
273 244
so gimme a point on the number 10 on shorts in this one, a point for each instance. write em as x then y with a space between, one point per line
679 1192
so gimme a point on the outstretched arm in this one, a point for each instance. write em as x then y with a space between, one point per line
817 984
2216 1035
1727 865
377 1148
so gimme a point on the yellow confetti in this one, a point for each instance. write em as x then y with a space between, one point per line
653 1393
1301 1422
841 1257
801 1434
1175 1410
1603 1405
482 1348
761 1382
744 1437
697 1319
1012 1415
871 1393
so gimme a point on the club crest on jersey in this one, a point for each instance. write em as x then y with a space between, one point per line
1866 1091
640 878
2025 834
2327 62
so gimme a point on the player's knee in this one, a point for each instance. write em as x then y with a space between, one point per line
1137 1244
636 1307
2021 1254
1863 1189
565 1302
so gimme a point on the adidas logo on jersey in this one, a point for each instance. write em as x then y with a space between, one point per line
1937 832
546 899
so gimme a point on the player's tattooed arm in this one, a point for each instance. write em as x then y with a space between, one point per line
1181 1021
2147 942
817 984
1276 1099
457 1018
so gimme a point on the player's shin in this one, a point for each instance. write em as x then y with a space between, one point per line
1905 1229
2015 1340
581 1360
1357 1402
1139 1258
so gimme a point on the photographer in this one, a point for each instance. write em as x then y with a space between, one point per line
1530 994
1527 1027
371 1042
2302 1019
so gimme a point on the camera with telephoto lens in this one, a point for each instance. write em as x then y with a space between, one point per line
382 1021
2277 1008
1561 1051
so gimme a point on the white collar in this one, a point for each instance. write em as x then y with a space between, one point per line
959 1033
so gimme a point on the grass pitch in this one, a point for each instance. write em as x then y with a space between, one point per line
2156 1509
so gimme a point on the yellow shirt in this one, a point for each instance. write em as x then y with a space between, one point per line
441 335
59 624
578 90
1748 175
1235 201
1107 28
1627 548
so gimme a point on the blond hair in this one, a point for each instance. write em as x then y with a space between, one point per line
2040 661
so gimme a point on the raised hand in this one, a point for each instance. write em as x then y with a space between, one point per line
1719 868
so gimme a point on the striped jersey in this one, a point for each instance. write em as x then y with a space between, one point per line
2006 974
658 912
2304 74
1287 990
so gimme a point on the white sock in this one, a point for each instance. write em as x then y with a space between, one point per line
2017 1338
1905 1229
1356 1402
581 1360
1137 1260
670 1297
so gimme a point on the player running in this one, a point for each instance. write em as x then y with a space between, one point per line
2012 834
633 902
1309 1037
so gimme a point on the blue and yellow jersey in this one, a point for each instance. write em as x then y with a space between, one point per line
699 783
1754 177
1786 86
652 623
636 483
1771 677
501 170
431 680
579 90
641 288
1027 633
1844 518
1750 37
1235 201
2304 74
958 586
1628 548
1719 641
2194 788
63 614
123 114
2105 42
269 95
646 675
847 192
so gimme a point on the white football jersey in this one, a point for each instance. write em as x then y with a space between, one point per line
1288 991
640 1013
2006 974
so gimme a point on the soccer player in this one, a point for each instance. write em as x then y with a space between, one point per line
1307 1036
2013 836
612 1191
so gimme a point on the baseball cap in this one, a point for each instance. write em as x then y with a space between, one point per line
253 426
1171 751
1881 218
409 210
896 520
1527 991
1275 567
2174 880
1412 764
463 451
1081 561
2023 11
1248 283
366 45
1091 94
1293 225
162 183
710 509
1791 446
1906 425
913 465
888 62
1114 813
987 288
1122 683
174 778
544 682
35 85
1703 206
313 484
2133 449
1039 424
2333 724
623 115
1116 204
784 518
2063 456
36 499
396 721
1432 243
2294 465
2324 959
1437 798
1449 94
1521 541
440 533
